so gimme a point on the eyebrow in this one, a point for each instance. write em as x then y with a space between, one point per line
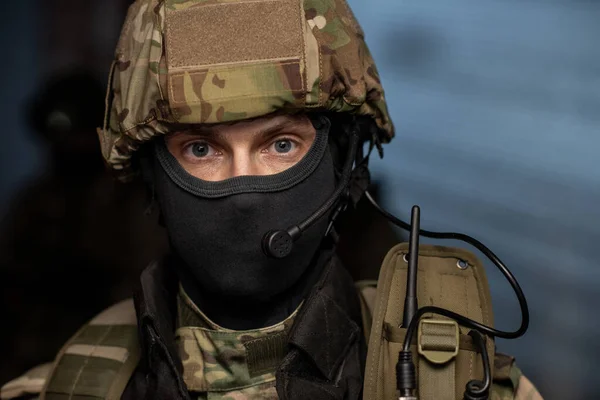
270 130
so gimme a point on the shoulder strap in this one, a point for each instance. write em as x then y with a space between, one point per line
27 385
447 359
97 362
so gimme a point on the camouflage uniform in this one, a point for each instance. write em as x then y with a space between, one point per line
222 364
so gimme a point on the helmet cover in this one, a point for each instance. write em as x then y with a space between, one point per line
215 61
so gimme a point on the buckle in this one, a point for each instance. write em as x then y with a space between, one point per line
438 340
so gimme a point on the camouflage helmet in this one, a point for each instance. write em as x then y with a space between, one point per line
214 61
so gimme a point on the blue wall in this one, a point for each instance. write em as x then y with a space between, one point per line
19 155
497 109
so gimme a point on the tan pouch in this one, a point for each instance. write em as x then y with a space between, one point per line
448 361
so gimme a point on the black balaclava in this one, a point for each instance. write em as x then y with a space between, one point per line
216 230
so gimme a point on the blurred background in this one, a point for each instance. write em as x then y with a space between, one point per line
72 239
497 108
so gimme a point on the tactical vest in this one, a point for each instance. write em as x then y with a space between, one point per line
444 354
98 361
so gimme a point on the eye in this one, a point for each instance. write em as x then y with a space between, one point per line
199 150
283 146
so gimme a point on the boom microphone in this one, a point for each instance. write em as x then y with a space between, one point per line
279 243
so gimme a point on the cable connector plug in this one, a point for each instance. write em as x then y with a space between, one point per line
406 377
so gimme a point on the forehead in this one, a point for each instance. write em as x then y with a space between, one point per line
262 125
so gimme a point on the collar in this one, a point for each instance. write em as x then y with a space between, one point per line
330 322
244 361
155 305
326 327
189 315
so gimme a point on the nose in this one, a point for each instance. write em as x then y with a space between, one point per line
242 163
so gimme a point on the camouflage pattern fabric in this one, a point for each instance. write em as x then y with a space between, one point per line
215 61
510 383
27 385
95 364
222 364
526 390
99 359
188 314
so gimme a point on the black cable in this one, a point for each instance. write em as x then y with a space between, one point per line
345 178
447 313
405 369
476 389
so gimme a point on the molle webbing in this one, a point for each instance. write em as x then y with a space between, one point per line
448 361
27 385
98 361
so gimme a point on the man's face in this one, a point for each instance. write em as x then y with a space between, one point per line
262 146
237 182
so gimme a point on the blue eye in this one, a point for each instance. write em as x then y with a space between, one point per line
200 149
283 146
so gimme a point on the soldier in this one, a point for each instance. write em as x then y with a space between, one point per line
247 122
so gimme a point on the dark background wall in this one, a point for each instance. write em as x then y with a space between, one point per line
497 107
19 157
40 39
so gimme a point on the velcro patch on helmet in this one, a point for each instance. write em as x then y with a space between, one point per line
246 62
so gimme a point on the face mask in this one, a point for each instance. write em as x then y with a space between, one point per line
216 228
